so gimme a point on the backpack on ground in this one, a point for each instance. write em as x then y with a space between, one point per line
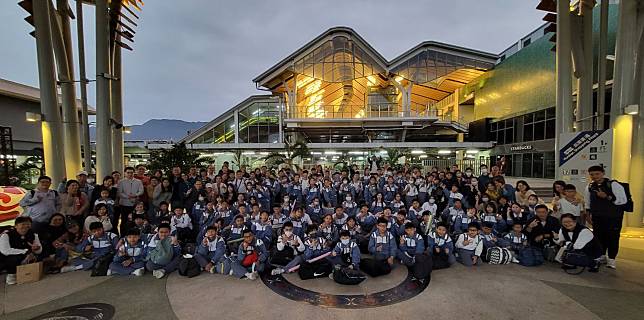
348 276
374 267
530 257
318 269
550 251
423 266
440 261
497 255
188 267
102 264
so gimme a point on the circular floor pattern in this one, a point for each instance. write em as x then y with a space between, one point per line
405 290
101 311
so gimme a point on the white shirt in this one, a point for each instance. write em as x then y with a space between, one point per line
475 244
585 236
566 206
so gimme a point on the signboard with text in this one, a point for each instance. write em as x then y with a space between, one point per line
579 151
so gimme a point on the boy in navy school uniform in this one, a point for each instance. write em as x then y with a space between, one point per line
489 236
181 225
398 227
314 210
411 244
462 220
162 241
288 246
161 213
382 244
469 246
223 211
346 252
314 246
415 212
130 256
339 218
263 229
211 250
516 240
234 232
196 212
252 255
365 219
98 244
440 243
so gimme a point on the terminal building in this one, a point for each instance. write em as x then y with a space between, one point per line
441 103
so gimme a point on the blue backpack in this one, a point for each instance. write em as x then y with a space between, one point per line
530 257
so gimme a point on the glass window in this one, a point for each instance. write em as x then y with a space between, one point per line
493 126
516 165
539 130
526 165
500 137
551 113
549 165
550 129
527 133
537 165
540 115
509 135
528 118
527 42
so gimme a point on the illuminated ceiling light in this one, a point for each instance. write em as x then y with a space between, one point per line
232 125
256 112
383 152
33 117
360 114
316 153
263 153
371 80
331 152
444 151
248 153
360 158
472 151
398 79
423 156
417 152
127 129
356 152
632 109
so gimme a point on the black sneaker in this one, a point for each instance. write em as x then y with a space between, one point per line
593 269
567 267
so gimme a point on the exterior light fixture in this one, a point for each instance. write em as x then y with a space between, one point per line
33 117
417 152
127 129
472 151
444 151
632 109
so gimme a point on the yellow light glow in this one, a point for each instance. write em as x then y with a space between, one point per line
371 80
304 81
398 79
360 114
313 87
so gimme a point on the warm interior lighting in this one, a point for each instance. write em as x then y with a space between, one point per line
472 151
632 109
398 79
127 129
33 117
444 151
417 152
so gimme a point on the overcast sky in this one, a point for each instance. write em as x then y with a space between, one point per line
194 59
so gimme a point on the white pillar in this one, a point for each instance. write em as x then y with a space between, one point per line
103 113
117 109
564 76
87 150
585 82
52 131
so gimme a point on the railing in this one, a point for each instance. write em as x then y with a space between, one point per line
462 164
389 110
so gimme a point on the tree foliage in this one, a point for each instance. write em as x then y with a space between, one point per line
178 155
292 150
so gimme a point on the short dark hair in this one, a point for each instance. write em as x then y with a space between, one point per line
128 168
570 187
44 178
345 233
164 226
382 220
474 225
541 206
287 224
95 225
132 232
568 215
596 169
409 225
20 220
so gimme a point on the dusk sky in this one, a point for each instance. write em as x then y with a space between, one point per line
195 59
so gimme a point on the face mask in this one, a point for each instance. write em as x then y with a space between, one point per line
348 198
483 171
201 198
458 175
345 241
532 203
90 180
485 199
432 200
288 233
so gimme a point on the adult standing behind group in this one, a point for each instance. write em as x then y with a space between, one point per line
74 202
108 184
605 199
41 203
129 191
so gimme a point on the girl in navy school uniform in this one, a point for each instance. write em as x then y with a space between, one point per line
378 205
263 229
490 215
350 206
346 252
328 229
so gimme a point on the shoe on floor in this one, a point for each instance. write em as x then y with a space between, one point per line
212 269
67 269
11 279
603 259
109 272
250 276
593 269
138 272
610 263
277 271
158 273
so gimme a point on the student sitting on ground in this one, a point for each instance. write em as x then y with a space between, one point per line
233 234
263 229
181 225
328 229
382 245
252 255
346 252
288 246
130 256
441 245
489 236
211 249
163 252
19 245
469 245
315 246
98 244
516 239
411 245
575 236
463 220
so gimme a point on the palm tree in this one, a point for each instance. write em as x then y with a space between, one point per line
293 151
394 154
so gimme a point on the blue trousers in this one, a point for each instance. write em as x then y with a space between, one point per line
168 268
406 260
230 266
118 268
465 257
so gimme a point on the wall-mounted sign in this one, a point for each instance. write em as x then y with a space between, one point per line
521 147
580 151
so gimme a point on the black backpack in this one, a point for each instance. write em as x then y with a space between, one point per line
423 266
188 267
348 276
374 267
318 269
628 206
440 261
102 264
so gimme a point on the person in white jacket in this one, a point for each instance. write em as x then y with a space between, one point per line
469 245
19 245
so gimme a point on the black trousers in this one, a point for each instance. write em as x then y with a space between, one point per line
607 230
11 262
123 212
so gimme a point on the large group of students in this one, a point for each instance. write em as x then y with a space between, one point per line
278 220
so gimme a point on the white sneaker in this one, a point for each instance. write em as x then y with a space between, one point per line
67 269
11 279
611 264
109 272
277 271
603 259
331 276
138 272
251 275
158 273
515 260
212 270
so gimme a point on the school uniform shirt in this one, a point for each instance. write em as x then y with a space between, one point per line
312 250
236 231
476 243
214 250
350 250
257 246
585 236
412 244
411 190
180 222
294 241
100 245
339 221
386 243
262 230
330 232
516 239
136 252
353 231
438 241
431 207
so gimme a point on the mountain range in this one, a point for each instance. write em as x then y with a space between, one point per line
157 129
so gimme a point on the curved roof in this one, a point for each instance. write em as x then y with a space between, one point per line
284 68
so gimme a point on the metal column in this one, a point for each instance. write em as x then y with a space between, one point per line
585 82
52 131
103 113
601 64
564 76
117 109
87 150
61 37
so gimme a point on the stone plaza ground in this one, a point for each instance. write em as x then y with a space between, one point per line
483 292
